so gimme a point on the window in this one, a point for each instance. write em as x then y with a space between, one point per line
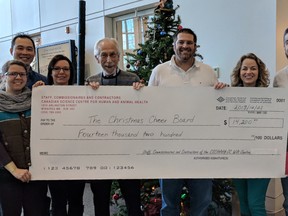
130 30
37 41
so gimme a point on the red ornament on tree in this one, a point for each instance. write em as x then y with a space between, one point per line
115 196
179 27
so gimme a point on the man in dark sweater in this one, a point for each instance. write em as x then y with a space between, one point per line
107 54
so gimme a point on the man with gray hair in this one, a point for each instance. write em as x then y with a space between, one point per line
107 54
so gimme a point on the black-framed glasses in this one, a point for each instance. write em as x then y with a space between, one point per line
15 74
58 69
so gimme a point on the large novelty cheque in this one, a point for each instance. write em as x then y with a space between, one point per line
122 133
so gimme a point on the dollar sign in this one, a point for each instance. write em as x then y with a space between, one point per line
225 122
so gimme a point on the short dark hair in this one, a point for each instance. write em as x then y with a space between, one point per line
187 31
285 32
51 65
7 65
22 35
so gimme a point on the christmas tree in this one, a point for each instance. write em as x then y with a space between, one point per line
158 46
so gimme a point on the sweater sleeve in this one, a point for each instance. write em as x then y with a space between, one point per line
4 156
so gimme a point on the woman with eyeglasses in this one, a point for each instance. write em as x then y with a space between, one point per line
17 193
64 192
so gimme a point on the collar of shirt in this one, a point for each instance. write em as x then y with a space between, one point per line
105 74
173 64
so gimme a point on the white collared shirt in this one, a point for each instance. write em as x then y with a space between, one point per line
169 74
105 74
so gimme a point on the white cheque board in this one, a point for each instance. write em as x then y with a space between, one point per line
176 132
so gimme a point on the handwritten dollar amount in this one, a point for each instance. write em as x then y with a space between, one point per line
236 122
255 122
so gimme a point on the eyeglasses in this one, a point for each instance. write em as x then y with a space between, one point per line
112 55
15 74
58 69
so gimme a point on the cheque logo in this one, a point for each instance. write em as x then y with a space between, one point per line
220 99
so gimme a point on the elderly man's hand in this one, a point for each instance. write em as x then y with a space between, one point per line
94 85
138 85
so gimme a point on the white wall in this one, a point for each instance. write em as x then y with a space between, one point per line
226 29
51 17
25 16
5 31
6 25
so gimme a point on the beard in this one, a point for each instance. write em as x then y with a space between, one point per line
185 54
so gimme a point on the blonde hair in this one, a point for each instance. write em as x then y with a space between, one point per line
263 76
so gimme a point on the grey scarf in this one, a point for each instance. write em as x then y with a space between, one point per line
15 103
